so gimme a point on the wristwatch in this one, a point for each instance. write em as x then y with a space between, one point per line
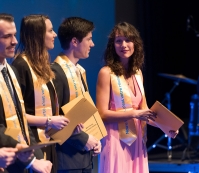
48 123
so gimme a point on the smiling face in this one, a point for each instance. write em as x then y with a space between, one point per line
50 35
8 39
124 47
83 47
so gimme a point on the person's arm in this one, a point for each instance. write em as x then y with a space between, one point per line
38 165
56 122
144 103
103 99
43 166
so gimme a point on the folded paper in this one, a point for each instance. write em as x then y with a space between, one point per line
166 120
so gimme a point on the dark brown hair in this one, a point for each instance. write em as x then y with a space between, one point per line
113 60
6 17
32 45
73 27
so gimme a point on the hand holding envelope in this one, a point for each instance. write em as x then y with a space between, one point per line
167 121
77 111
174 133
80 110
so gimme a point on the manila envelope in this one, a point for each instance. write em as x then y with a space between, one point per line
77 111
94 125
166 120
13 132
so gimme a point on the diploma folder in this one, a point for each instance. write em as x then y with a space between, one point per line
38 145
166 120
77 111
94 125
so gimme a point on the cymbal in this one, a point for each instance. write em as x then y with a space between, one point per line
179 78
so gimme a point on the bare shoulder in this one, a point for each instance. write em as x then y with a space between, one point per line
104 71
104 77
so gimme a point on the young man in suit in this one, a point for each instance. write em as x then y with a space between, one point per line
12 112
75 36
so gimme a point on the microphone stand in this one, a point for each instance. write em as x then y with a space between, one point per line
191 25
167 101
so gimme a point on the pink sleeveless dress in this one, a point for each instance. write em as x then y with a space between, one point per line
118 157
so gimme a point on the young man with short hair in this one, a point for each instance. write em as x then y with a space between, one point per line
75 35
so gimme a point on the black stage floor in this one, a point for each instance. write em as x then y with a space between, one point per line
160 163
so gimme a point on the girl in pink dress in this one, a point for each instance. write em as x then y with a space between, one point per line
122 104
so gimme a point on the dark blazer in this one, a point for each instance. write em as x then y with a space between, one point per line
7 141
71 154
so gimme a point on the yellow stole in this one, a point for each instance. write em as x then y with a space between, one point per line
123 102
12 120
43 106
73 81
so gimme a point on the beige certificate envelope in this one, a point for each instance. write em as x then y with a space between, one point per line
77 111
94 125
166 120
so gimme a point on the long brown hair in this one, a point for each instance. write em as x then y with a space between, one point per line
136 60
32 45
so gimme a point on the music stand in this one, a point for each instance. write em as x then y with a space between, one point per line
167 101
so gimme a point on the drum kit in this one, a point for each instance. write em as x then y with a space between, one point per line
179 78
193 125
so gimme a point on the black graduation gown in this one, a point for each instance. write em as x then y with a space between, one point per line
27 88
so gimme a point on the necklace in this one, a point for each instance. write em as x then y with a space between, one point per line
127 81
